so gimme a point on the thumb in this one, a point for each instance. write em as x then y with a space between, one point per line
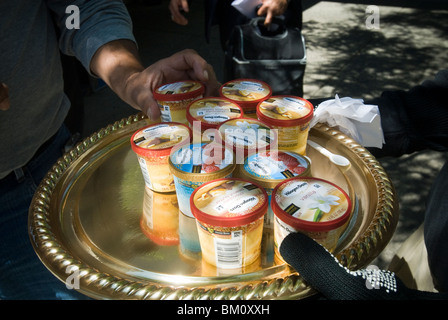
151 108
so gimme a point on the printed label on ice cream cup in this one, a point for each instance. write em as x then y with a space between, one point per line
245 90
314 206
291 116
212 111
247 93
174 98
246 136
152 145
196 163
229 213
270 168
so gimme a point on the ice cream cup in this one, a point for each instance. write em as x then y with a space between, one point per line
313 206
152 145
229 214
291 116
160 218
206 114
247 93
269 168
173 99
246 136
195 164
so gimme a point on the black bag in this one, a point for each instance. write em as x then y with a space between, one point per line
275 55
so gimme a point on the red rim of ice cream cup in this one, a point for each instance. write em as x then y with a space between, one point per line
252 104
207 125
289 122
304 225
220 138
236 221
162 151
179 96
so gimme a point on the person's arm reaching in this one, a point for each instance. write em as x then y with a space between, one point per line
117 63
106 47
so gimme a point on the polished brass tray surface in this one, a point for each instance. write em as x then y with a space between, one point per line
85 225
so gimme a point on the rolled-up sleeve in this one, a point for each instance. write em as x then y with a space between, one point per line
100 21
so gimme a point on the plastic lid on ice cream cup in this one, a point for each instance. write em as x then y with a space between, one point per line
229 202
158 139
269 168
178 91
201 162
246 92
212 111
285 111
246 134
311 204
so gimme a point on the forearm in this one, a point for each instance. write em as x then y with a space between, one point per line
115 63
118 64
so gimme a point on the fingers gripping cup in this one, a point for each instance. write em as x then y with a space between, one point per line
291 116
312 206
229 214
247 93
174 98
152 145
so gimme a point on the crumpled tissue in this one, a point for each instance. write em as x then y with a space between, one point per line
360 121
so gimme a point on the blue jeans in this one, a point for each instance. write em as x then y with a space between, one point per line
22 274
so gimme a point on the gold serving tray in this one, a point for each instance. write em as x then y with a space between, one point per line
84 224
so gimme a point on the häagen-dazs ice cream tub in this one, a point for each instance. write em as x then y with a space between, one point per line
291 116
246 136
270 168
229 214
152 145
174 98
196 163
313 206
206 114
247 93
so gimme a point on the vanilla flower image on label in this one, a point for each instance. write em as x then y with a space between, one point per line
322 204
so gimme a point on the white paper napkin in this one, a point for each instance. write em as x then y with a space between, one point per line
360 121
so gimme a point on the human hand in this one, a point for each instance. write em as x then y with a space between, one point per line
186 64
272 8
4 97
118 64
176 6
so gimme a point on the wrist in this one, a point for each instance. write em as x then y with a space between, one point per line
116 62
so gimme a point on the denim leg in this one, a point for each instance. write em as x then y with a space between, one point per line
436 230
22 274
